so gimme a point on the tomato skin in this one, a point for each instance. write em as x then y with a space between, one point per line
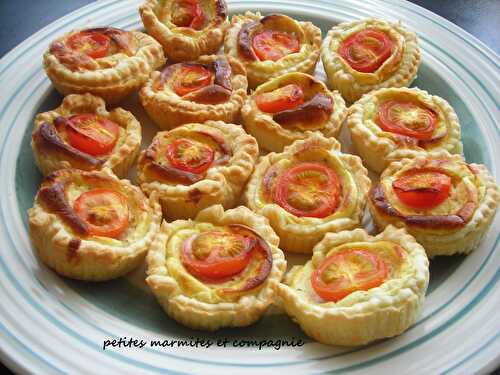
192 16
93 44
329 190
273 45
349 282
388 123
104 210
92 134
191 77
422 189
281 99
360 52
182 144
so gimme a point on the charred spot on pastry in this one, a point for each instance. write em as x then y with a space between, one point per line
73 247
221 9
195 196
212 94
223 72
71 59
245 40
316 110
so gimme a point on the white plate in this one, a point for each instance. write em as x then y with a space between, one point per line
52 325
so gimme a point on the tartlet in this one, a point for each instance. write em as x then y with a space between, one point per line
308 190
186 29
358 288
211 88
104 61
91 225
445 203
82 134
220 270
391 124
369 54
197 165
272 45
289 107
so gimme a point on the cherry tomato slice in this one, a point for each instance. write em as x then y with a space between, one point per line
104 210
92 134
347 271
407 118
308 189
188 13
92 44
281 99
366 50
190 156
422 189
273 45
189 78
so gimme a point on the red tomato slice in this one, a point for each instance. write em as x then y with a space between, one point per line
407 118
422 189
92 44
308 189
92 134
281 99
190 156
191 77
366 50
347 271
273 45
188 13
104 210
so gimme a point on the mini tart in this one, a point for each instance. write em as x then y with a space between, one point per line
252 29
445 203
369 54
197 165
105 61
397 123
186 29
358 288
185 256
212 88
91 225
308 190
288 107
78 134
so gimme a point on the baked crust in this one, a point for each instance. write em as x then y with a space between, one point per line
191 301
168 110
363 316
65 247
378 148
50 158
222 183
300 234
399 70
270 134
455 226
261 71
185 43
111 77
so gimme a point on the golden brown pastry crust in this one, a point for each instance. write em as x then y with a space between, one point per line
177 290
168 110
270 134
399 70
363 316
221 184
48 158
112 77
87 257
261 71
184 43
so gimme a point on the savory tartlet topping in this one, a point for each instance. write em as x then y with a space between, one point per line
188 13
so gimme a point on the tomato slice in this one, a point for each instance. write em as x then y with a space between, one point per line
347 271
104 210
308 189
92 44
190 156
281 99
407 118
273 45
188 13
366 50
92 134
422 189
191 77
